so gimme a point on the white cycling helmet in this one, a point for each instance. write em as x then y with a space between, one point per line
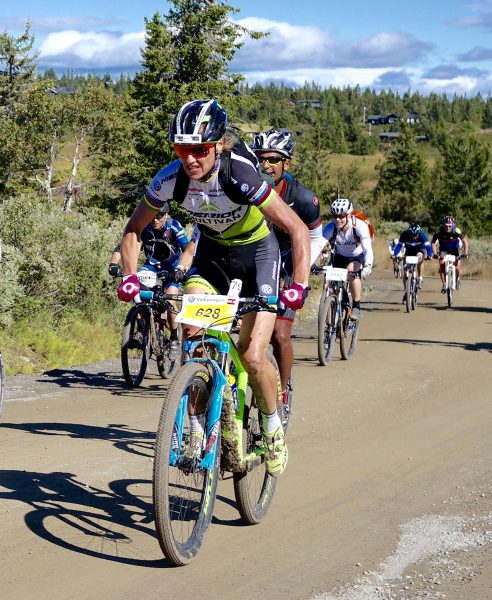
341 206
274 141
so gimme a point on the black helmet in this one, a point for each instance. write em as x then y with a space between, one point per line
164 209
414 228
275 141
448 220
198 122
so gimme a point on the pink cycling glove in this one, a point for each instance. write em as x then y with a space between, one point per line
294 296
129 288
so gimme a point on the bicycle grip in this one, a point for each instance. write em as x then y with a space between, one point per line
146 294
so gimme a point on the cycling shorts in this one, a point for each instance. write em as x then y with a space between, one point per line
256 264
413 251
452 251
342 262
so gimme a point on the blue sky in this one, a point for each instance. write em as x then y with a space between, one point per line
424 45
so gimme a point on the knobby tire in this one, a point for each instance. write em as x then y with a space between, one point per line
183 497
254 489
348 337
135 345
327 332
408 292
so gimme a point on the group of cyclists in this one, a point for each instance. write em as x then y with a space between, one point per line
449 239
254 222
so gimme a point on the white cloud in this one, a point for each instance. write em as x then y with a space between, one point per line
91 49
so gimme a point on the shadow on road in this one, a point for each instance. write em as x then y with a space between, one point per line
121 436
114 525
474 347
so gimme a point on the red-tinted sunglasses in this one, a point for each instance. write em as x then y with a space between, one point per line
196 150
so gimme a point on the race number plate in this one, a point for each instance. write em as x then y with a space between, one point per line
336 274
208 311
411 260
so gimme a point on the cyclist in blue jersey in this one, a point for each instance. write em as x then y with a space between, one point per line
220 187
450 240
274 150
163 241
416 243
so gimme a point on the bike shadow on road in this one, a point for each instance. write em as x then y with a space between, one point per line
134 441
472 346
473 309
113 524
106 380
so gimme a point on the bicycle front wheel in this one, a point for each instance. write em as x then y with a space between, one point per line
327 331
408 292
449 287
254 489
415 291
135 345
183 491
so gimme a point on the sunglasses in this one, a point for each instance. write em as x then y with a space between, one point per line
340 217
196 150
271 160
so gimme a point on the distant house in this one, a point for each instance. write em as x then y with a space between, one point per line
388 136
63 89
382 119
310 103
413 117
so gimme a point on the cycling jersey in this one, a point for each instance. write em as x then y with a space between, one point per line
233 219
306 205
413 243
355 243
449 241
163 247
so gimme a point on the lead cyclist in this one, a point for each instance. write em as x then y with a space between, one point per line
230 202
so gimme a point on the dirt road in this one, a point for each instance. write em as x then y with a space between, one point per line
386 495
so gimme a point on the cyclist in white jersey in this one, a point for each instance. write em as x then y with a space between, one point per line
226 197
350 240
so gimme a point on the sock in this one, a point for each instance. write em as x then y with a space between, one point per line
356 304
270 423
174 334
197 423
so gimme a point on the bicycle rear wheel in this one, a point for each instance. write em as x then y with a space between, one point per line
254 489
348 337
135 345
183 492
165 364
327 331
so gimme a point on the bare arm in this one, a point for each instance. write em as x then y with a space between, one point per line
465 245
130 243
284 217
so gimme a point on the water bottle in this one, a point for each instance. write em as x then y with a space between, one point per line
231 380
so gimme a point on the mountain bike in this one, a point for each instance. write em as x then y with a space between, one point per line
2 383
213 383
146 333
334 317
450 276
411 282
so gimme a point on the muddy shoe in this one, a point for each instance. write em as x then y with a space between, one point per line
276 455
195 446
355 314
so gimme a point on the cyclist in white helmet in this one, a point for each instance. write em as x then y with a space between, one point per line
350 240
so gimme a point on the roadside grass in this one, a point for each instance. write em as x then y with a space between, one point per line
38 345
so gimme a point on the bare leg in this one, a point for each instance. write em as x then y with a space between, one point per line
282 348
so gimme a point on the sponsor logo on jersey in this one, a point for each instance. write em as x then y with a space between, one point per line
266 289
315 201
244 188
209 206
156 186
